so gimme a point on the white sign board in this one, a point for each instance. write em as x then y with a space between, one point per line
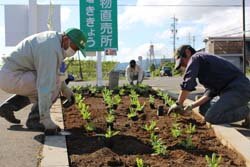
24 20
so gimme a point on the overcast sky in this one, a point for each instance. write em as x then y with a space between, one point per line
141 22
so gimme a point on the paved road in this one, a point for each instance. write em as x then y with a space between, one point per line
18 147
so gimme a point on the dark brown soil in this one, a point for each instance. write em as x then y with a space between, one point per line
89 149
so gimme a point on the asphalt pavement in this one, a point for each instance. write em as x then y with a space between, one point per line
19 147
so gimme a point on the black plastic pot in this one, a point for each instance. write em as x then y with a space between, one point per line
111 125
163 101
133 105
135 118
152 105
160 111
114 106
140 111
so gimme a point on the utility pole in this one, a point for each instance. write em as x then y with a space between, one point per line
189 38
193 41
80 66
174 32
244 37
51 11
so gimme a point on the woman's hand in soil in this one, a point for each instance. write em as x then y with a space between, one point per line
177 108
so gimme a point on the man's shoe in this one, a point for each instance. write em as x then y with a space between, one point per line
13 103
51 132
34 125
9 116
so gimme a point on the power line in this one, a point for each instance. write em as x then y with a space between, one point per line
159 5
234 33
227 30
196 5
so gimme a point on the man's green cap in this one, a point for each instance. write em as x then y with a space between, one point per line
78 38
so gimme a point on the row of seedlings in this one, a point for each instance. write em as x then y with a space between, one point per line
135 106
112 103
85 113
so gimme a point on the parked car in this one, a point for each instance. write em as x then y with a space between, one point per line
166 71
147 73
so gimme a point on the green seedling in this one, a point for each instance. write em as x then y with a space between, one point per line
110 118
158 146
175 130
150 127
90 127
139 107
92 90
122 92
165 98
86 115
80 105
77 88
176 117
139 162
134 100
160 93
111 111
106 93
188 143
116 99
107 99
191 129
143 86
151 99
109 133
170 102
214 161
132 113
78 98
133 94
153 137
109 102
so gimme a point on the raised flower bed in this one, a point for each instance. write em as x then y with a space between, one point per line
149 140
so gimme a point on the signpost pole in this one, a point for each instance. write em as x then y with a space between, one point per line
99 68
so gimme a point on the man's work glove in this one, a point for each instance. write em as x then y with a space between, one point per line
50 127
177 108
69 102
67 92
189 107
